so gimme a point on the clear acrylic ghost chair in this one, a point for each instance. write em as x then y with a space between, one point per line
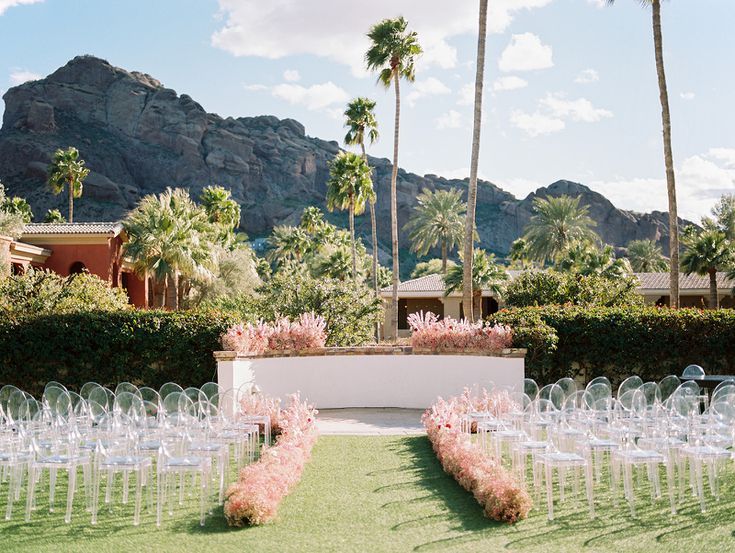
168 388
693 371
264 420
568 466
102 396
208 444
15 459
568 386
553 393
119 458
700 457
127 387
631 383
150 395
600 380
5 393
62 455
210 389
87 387
54 384
174 464
530 388
668 385
723 389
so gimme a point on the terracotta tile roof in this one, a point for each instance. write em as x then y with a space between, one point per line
660 281
113 228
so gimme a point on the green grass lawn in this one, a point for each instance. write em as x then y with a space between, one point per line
383 494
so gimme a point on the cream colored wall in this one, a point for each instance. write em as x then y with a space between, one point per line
451 307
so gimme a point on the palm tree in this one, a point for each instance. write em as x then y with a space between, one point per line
557 223
438 219
706 253
170 237
646 257
360 120
586 259
393 51
312 219
223 212
431 267
53 216
67 169
486 275
18 206
349 187
724 213
288 244
469 227
668 154
11 223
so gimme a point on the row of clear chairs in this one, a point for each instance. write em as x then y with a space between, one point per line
667 436
167 440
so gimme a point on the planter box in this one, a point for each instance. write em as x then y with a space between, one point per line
370 377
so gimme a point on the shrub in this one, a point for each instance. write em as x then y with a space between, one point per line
350 311
451 335
616 342
306 333
537 288
42 292
143 347
255 497
482 475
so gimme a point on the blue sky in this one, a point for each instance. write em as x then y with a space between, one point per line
571 84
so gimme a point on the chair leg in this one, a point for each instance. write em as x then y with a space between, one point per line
70 493
31 491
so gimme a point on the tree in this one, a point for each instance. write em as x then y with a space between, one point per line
438 219
169 237
469 228
11 222
312 219
234 277
54 216
349 187
18 206
360 121
223 212
288 243
645 256
668 153
393 51
556 224
67 169
431 267
724 214
486 275
707 252
587 259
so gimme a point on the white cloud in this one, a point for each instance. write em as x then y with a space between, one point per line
525 52
598 3
449 120
426 87
7 4
20 76
314 97
687 95
726 155
280 28
580 110
291 75
699 184
510 82
587 76
536 124
466 95
256 87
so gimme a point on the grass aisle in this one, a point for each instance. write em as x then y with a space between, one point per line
382 494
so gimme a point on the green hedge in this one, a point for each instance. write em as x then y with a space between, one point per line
618 342
144 347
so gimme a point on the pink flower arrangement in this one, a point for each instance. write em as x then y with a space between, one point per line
309 331
492 485
448 334
255 497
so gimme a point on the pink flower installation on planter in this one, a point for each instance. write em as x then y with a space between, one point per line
448 334
492 485
255 497
309 331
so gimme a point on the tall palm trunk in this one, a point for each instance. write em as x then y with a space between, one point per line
71 201
444 256
469 226
668 156
352 239
374 229
713 299
394 208
175 306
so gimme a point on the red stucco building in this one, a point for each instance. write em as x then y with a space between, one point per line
68 248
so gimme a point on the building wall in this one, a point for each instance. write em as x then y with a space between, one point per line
97 258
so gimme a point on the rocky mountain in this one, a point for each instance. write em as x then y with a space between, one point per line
138 137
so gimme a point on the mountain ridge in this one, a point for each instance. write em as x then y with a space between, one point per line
138 137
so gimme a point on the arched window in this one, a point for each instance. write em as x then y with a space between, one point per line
77 267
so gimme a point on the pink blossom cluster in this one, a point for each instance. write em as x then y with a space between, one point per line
309 331
255 497
492 485
448 334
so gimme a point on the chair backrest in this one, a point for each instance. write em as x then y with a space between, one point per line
567 385
553 393
631 383
693 371
5 393
192 393
169 388
129 404
87 388
530 388
54 384
598 391
652 393
725 388
149 394
600 380
634 401
127 387
667 386
209 389
101 396
580 400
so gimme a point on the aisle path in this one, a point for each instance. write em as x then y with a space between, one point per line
370 422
